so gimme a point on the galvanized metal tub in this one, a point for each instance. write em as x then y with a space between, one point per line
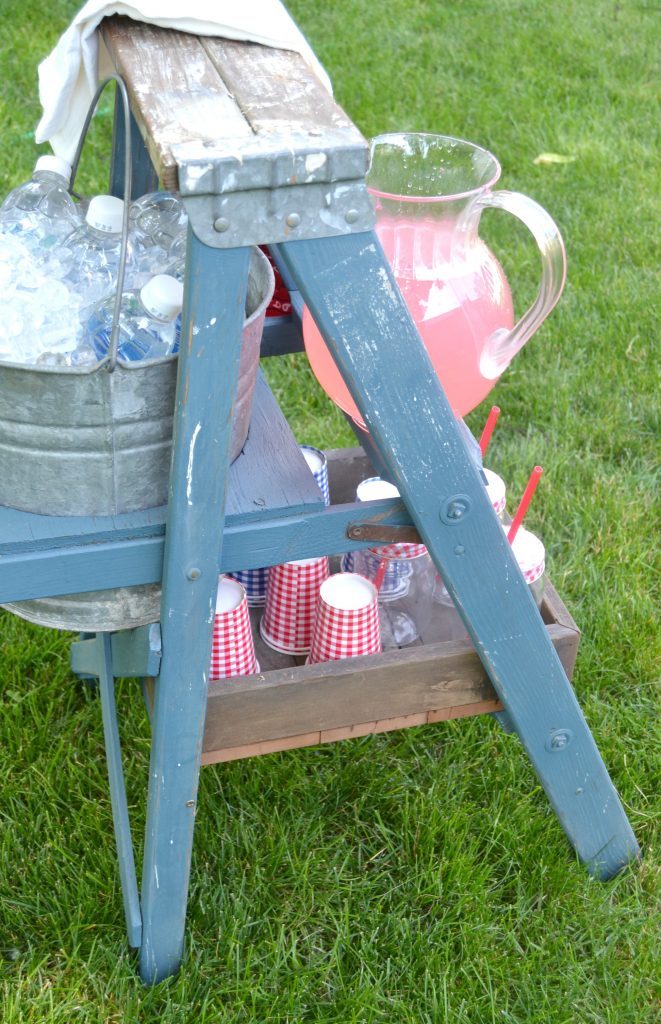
98 443
98 611
76 441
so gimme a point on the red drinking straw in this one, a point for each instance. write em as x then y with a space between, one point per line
531 487
492 419
380 574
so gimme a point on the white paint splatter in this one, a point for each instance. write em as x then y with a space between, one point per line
313 162
194 173
156 877
189 471
212 321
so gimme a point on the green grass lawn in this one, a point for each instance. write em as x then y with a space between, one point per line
416 877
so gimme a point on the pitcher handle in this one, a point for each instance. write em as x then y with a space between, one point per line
503 345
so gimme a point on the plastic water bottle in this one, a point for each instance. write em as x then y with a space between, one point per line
148 323
158 224
41 212
94 250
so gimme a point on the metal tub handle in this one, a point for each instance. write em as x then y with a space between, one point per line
110 360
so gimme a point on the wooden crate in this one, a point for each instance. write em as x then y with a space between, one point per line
291 705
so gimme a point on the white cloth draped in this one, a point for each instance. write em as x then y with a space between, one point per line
69 75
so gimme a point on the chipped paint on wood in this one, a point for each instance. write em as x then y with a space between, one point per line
189 470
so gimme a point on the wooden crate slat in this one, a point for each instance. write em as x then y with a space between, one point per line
349 732
339 694
316 704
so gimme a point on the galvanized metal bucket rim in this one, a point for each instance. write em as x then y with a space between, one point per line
139 364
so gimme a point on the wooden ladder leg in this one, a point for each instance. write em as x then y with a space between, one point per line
352 294
93 658
214 311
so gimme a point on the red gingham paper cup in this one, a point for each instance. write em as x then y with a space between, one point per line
400 551
233 651
530 553
496 490
291 602
318 466
347 620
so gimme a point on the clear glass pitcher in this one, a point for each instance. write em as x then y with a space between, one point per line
429 192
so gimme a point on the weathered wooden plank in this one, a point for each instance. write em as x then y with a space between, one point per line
270 472
340 694
349 732
336 696
277 91
255 749
553 609
568 648
175 91
483 707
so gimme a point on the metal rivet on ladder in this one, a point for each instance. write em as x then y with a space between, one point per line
559 740
455 509
351 216
221 224
194 573
293 219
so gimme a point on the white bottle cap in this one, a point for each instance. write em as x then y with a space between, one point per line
105 213
162 296
496 490
529 553
55 164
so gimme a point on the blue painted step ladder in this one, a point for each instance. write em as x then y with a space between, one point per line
283 165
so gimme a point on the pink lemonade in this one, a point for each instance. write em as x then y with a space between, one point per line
458 297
